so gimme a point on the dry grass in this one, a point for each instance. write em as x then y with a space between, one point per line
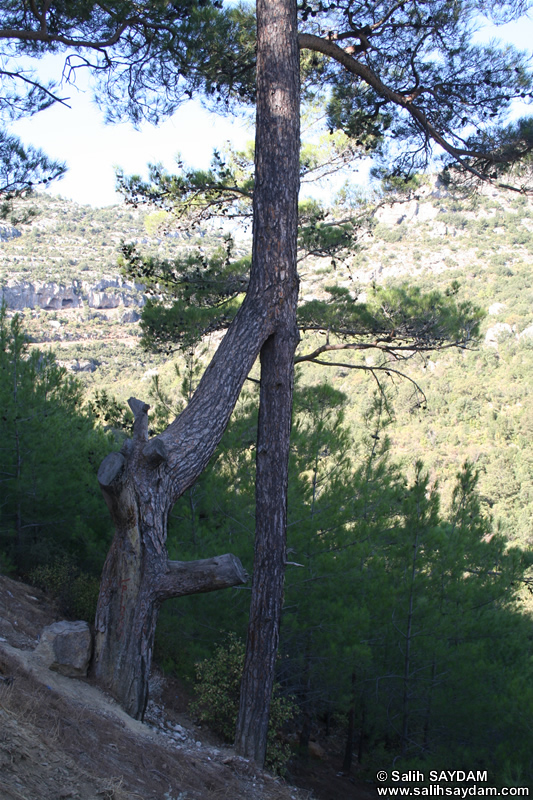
48 740
61 739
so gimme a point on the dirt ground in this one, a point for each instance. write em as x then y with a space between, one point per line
63 738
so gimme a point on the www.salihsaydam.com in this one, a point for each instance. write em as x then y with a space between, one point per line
452 791
436 789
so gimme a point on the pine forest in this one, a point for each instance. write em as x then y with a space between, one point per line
406 631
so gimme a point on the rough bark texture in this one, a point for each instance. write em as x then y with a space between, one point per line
274 259
142 483
138 575
350 735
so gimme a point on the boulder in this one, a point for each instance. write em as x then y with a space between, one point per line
8 232
527 333
130 316
316 751
81 365
496 332
66 647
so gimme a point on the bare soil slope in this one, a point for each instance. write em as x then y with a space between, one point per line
64 738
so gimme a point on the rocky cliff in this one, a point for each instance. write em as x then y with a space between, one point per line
8 232
107 293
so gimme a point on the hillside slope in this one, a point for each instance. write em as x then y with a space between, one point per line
64 738
56 741
478 402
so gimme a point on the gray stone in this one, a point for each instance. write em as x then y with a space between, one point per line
66 647
130 316
496 332
83 365
104 300
8 232
527 333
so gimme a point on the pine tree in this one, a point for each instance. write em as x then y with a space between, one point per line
408 78
146 60
49 453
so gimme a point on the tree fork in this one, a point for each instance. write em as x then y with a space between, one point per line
140 486
142 483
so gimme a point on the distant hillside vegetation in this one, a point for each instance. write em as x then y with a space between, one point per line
61 273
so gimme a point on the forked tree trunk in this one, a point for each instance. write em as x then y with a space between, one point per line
140 485
274 256
137 577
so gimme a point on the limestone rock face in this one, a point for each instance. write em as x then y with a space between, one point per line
104 300
412 211
50 296
66 647
108 293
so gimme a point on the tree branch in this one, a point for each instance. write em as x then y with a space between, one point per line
191 439
20 76
47 38
140 412
367 368
328 47
399 352
326 348
205 575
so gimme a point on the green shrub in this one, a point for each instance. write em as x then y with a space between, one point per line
7 565
218 681
392 234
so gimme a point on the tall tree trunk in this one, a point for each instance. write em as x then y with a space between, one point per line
362 732
140 485
274 258
350 734
407 690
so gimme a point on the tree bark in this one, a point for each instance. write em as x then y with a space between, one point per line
143 482
140 485
274 258
350 734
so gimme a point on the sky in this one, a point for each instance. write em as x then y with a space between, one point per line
92 149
